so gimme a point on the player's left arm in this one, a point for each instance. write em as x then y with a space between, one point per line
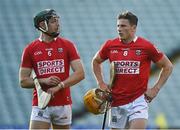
77 75
166 69
74 78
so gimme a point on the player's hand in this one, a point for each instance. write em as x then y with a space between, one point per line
53 90
51 81
150 94
104 87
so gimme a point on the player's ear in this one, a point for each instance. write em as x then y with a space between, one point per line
134 27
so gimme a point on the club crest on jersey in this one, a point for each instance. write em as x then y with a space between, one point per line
60 50
138 52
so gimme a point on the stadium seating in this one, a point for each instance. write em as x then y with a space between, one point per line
88 23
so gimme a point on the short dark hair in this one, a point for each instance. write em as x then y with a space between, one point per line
133 20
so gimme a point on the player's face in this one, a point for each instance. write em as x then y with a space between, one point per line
125 30
53 24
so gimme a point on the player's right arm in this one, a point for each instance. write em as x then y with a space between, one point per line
97 70
26 80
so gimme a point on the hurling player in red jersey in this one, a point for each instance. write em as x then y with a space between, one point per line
132 56
51 57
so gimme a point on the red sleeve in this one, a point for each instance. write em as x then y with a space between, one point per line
73 53
155 53
26 60
103 52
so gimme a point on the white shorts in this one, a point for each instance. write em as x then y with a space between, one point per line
119 116
59 115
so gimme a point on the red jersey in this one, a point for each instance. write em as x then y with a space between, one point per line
133 63
51 59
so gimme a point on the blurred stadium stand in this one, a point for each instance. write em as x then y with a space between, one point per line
88 23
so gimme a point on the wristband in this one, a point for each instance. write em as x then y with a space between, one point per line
61 85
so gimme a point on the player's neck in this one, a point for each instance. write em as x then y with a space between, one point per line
45 38
128 40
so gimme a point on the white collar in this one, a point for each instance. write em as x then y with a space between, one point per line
42 40
135 39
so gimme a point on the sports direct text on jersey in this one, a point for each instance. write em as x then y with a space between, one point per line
127 67
50 66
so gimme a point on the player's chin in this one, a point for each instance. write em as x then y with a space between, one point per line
57 31
120 35
122 38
